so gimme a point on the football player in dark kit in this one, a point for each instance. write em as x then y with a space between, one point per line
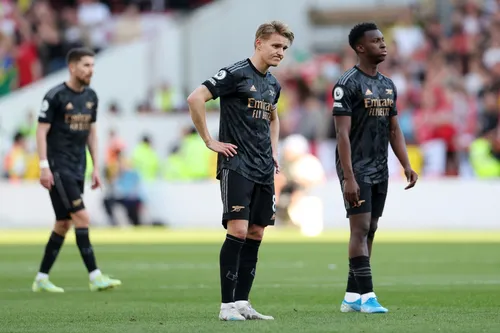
247 160
66 126
366 122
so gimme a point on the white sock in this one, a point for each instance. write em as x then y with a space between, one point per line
367 296
41 276
225 306
95 273
352 297
240 304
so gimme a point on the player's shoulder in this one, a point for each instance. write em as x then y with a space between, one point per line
90 92
349 79
273 80
53 92
387 80
237 68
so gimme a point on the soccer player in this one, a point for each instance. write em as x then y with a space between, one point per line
366 122
66 125
247 160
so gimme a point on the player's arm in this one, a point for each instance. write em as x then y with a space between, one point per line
221 84
41 143
198 111
342 112
45 118
275 132
92 138
92 145
398 145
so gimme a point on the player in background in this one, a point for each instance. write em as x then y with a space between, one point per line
366 121
247 160
66 126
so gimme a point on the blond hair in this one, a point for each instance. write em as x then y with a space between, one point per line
265 30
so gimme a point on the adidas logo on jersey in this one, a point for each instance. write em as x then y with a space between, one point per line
368 92
252 88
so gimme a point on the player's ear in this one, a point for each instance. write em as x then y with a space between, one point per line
258 44
360 48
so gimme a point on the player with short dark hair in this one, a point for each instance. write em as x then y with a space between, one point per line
66 126
247 160
366 122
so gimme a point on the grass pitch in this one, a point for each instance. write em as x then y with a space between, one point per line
431 282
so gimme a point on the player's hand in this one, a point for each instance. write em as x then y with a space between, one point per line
96 180
46 178
276 164
227 149
411 177
351 192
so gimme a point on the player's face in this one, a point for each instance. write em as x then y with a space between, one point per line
83 70
272 50
374 46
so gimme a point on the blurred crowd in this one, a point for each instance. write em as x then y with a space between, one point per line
447 72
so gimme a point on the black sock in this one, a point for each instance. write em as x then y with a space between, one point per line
86 251
352 286
362 273
51 251
228 260
246 270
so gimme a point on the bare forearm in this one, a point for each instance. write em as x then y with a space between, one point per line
344 146
41 144
41 141
198 112
275 135
398 145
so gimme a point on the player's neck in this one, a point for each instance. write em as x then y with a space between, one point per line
369 69
74 85
260 65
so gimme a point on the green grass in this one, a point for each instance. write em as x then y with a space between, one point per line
431 282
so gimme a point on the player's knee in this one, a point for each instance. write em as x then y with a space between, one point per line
256 232
81 219
237 228
62 227
373 229
371 233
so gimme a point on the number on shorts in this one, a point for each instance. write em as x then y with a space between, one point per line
274 203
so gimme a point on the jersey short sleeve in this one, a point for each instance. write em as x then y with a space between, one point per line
221 84
94 110
342 100
48 110
394 110
276 98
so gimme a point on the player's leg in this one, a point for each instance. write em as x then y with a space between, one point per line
54 244
352 297
73 190
379 195
359 253
371 234
236 193
262 214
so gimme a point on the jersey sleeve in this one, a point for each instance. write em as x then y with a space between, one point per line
276 98
342 100
48 110
94 111
394 109
221 84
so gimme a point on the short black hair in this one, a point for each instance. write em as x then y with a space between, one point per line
78 53
18 136
358 31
